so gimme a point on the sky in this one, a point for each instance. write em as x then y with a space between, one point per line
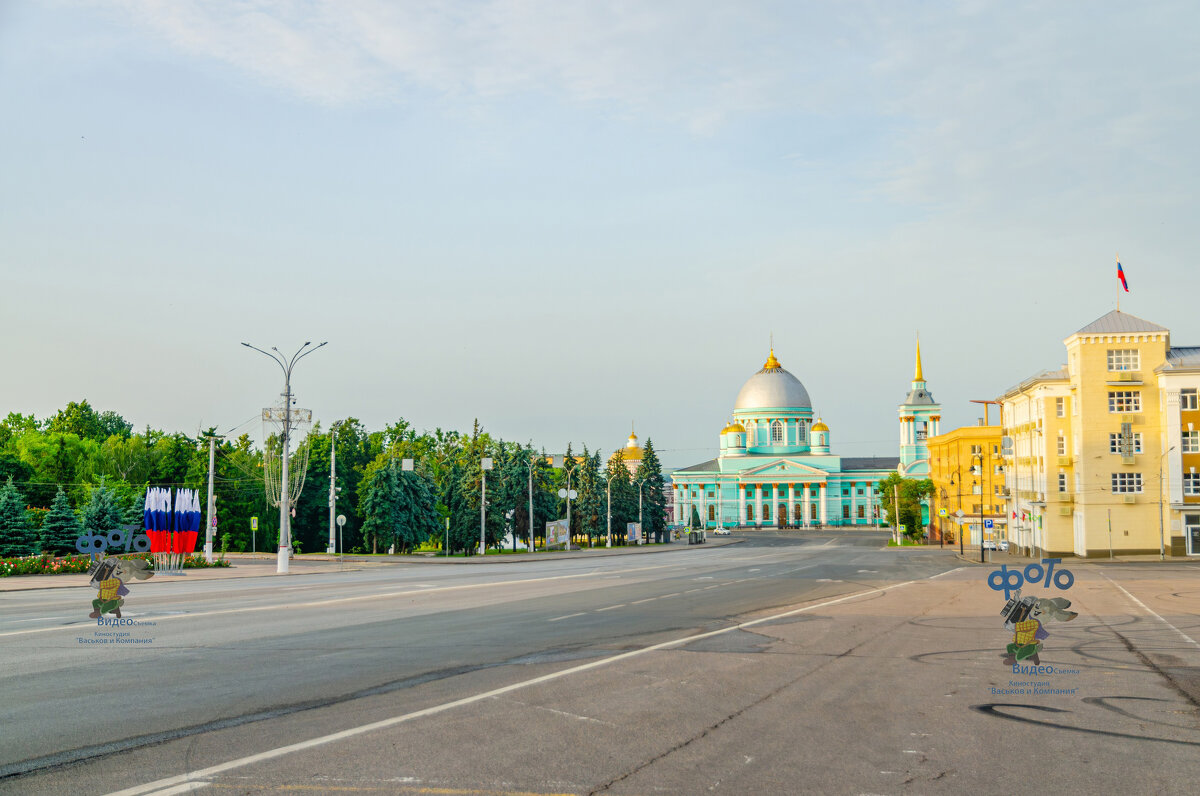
562 218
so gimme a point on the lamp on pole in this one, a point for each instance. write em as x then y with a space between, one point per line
485 464
532 461
1162 540
333 487
608 541
979 456
285 525
641 529
567 463
956 478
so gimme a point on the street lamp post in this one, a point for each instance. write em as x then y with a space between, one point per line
333 487
485 464
641 529
956 478
532 461
568 465
979 456
285 525
608 541
1162 539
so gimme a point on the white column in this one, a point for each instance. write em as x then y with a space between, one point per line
806 506
743 503
758 504
791 503
822 507
853 503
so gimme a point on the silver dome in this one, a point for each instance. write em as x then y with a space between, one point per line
772 388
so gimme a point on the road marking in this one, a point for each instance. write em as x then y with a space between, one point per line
335 600
611 607
568 616
714 586
756 569
647 600
1146 608
193 780
672 594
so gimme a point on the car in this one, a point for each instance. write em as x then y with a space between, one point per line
721 532
988 544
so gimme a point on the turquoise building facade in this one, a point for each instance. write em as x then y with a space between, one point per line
776 466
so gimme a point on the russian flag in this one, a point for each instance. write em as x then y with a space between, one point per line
1121 276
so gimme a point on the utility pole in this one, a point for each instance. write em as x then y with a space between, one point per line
485 464
333 490
211 505
896 522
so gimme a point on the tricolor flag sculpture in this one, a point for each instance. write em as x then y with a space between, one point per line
172 526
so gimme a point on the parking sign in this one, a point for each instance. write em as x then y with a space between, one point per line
989 524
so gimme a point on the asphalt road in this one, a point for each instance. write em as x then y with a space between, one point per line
862 670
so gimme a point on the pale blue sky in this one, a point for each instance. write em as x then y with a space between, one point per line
562 216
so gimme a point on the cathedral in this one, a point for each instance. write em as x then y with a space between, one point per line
776 466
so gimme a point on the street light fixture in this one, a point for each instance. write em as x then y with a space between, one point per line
567 464
285 518
641 528
610 478
956 479
532 461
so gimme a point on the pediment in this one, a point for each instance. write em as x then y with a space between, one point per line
785 469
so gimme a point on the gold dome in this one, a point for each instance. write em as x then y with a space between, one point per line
772 363
820 425
734 426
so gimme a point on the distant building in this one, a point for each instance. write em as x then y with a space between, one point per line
631 454
1111 440
967 471
776 467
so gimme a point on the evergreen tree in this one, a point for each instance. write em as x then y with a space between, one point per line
16 535
591 501
398 507
695 522
654 506
60 528
623 496
101 514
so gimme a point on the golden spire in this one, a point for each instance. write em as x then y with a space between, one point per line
918 376
772 363
632 443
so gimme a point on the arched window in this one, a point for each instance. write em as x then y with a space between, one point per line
766 512
802 431
712 512
749 512
776 432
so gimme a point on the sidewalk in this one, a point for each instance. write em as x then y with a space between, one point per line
262 565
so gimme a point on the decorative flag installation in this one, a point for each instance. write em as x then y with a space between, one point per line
172 525
1121 276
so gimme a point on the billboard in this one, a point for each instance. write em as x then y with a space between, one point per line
633 533
556 533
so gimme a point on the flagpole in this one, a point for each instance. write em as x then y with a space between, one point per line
1118 282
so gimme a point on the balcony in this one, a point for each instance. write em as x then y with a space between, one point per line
1124 377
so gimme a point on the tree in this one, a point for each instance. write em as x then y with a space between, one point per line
911 493
623 495
695 520
60 528
591 488
16 535
654 505
398 507
102 512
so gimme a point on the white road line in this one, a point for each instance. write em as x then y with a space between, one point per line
611 607
1146 608
714 586
647 600
672 594
334 601
568 616
169 785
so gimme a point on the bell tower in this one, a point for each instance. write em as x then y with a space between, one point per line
920 418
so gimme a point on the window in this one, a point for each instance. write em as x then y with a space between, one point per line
862 512
860 490
1124 401
1191 442
995 450
712 512
1060 407
846 492
1187 400
767 512
976 449
845 512
802 430
1062 482
1191 483
1114 443
1062 445
1126 483
749 512
776 432
1123 359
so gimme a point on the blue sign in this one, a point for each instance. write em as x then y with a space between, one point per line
989 524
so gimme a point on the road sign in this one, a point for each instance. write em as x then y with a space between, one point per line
989 524
959 514
254 523
943 513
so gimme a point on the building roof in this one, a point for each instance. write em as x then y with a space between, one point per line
1058 374
870 463
1182 357
709 466
1117 322
772 388
919 397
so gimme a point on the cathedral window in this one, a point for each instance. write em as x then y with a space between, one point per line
776 432
802 430
766 512
750 512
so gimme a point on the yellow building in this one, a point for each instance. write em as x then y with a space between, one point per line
967 471
1089 443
